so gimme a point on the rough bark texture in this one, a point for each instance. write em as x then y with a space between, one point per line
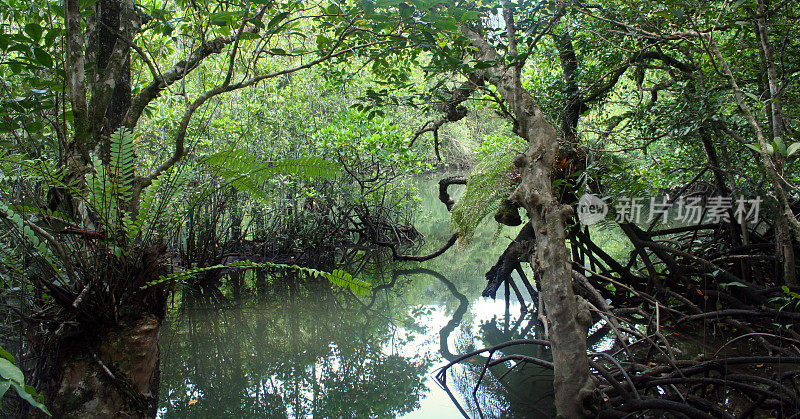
114 376
567 313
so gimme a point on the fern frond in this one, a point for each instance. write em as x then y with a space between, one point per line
488 184
337 277
245 172
122 163
99 188
145 205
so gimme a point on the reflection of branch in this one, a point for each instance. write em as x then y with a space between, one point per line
421 258
463 303
442 374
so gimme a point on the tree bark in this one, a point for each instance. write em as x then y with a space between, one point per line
570 319
116 375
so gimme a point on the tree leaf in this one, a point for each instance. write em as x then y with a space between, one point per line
734 284
34 31
10 371
792 149
752 96
28 394
276 20
42 57
780 145
5 354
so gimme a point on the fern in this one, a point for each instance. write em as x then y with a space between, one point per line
100 190
245 172
121 163
337 277
133 227
488 184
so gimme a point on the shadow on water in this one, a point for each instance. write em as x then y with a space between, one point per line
290 347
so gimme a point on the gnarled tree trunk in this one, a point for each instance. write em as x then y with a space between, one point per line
567 313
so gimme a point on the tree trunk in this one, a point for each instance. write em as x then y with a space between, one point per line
106 363
568 314
115 375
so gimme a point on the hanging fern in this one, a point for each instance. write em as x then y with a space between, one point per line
245 172
337 277
490 182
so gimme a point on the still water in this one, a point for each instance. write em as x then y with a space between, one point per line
305 349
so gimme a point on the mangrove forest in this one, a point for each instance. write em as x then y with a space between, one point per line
400 208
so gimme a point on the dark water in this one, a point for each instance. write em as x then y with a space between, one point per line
306 349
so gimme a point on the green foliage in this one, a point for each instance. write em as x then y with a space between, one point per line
247 173
122 163
28 236
789 300
492 180
11 377
369 146
337 277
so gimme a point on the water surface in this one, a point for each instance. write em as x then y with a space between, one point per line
302 348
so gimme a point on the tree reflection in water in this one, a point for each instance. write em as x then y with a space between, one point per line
300 350
527 391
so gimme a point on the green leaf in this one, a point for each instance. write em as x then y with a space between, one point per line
10 371
323 41
734 284
792 149
334 9
755 147
42 57
5 354
34 31
276 20
225 18
780 145
28 394
752 96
